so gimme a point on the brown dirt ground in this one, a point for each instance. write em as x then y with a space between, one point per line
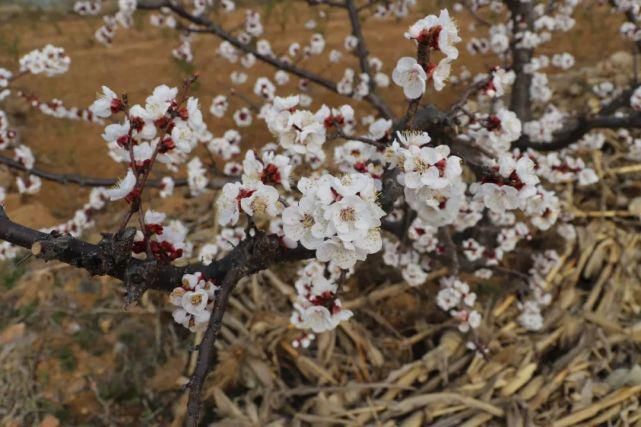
140 59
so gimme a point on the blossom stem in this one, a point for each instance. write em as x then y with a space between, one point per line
423 59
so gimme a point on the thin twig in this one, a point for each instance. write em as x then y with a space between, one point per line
332 3
361 47
81 180
208 26
207 351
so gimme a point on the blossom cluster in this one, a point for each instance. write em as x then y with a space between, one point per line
458 300
300 132
496 132
56 108
164 242
194 301
414 267
394 9
50 61
531 317
253 196
317 306
165 129
431 177
122 18
337 217
5 78
437 34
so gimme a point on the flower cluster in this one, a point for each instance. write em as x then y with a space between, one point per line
252 196
563 167
531 317
226 146
122 18
500 80
337 217
431 177
50 61
456 298
5 79
166 129
300 132
394 8
436 34
512 186
164 242
56 108
543 129
317 307
496 131
414 268
194 301
87 7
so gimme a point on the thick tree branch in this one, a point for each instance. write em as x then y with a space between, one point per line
112 256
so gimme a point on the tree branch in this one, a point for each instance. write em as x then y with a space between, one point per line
332 3
576 128
207 350
573 132
90 181
361 47
213 28
110 257
522 19
472 11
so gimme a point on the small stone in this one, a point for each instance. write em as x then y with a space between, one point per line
635 206
50 421
12 333
36 248
575 89
105 325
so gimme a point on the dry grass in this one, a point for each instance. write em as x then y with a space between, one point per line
68 349
82 358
